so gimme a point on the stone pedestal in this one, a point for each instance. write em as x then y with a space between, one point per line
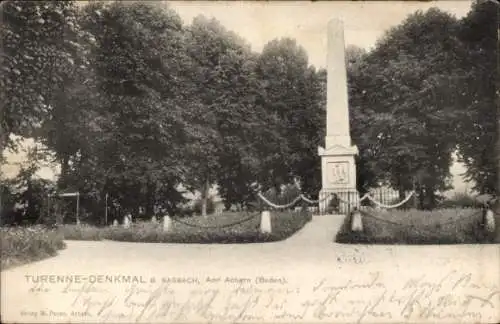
338 168
343 201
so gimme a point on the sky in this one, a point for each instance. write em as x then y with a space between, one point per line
262 21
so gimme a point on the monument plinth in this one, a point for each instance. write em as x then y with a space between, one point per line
338 165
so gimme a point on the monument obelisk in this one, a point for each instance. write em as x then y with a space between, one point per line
338 167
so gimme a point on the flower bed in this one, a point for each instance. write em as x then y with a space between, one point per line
442 226
22 245
211 229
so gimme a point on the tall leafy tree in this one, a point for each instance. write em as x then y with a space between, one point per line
360 120
293 98
409 139
138 61
478 128
40 49
223 115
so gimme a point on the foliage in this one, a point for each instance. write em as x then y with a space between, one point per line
293 98
223 115
138 109
403 128
26 190
478 131
21 245
42 47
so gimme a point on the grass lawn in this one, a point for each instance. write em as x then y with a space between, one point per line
197 229
21 245
443 226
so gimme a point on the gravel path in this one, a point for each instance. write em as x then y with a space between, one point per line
432 273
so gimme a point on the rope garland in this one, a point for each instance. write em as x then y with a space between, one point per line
315 201
391 206
279 206
216 226
365 196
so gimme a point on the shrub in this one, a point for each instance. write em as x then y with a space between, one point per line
210 206
21 245
82 232
459 200
447 226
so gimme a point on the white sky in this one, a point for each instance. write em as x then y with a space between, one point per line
260 22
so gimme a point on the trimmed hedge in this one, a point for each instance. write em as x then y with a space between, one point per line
444 226
22 245
460 200
211 229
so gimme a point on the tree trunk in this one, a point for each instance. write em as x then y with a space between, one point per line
421 197
432 201
31 209
64 172
149 202
204 199
401 192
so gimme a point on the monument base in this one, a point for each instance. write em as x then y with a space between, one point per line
338 201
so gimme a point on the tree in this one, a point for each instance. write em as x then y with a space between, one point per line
408 138
359 119
478 58
30 191
133 144
223 113
40 49
293 99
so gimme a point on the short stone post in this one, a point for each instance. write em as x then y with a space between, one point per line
167 223
265 222
126 221
154 220
489 221
115 223
356 221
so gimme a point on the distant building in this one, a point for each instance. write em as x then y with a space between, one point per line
10 168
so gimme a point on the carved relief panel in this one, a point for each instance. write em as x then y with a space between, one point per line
338 173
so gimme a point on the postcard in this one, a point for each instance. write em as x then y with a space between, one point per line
250 162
